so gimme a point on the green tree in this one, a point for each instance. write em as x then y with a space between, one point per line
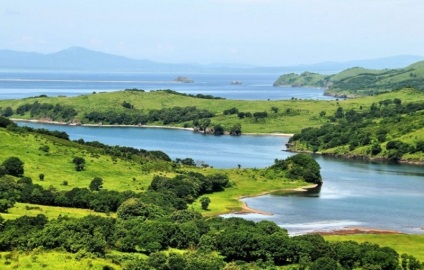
8 112
132 208
96 184
205 201
79 163
13 166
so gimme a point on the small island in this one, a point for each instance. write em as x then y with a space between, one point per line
183 79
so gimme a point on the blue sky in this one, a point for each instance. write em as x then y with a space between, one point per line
256 32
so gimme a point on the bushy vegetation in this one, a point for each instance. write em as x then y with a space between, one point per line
369 130
240 242
300 166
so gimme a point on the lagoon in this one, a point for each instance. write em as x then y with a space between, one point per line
354 194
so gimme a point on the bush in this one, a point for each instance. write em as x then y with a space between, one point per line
13 166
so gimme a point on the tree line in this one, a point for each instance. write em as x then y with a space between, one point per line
142 228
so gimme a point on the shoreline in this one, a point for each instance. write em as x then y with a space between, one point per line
357 230
49 122
245 209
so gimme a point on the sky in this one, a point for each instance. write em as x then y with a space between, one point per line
253 32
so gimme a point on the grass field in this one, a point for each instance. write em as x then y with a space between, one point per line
292 115
118 174
27 209
403 243
53 260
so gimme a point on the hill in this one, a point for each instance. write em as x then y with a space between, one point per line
358 81
78 58
220 116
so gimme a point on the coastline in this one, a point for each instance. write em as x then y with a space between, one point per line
358 230
245 209
50 122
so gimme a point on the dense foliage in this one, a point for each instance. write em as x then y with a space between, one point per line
369 129
47 110
240 242
300 166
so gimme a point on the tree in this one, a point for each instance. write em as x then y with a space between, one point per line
236 130
41 176
13 166
132 208
79 163
205 201
96 184
218 130
8 112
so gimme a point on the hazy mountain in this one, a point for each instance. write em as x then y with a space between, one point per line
77 58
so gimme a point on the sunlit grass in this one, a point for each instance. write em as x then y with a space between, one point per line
27 209
403 243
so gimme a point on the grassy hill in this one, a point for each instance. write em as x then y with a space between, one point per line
163 108
119 173
359 81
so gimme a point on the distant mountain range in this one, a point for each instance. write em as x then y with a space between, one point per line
77 58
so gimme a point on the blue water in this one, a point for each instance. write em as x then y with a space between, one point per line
354 193
216 151
21 84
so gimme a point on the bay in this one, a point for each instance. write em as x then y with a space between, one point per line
255 86
216 151
354 193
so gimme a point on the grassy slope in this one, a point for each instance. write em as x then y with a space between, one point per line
359 81
26 209
44 260
402 243
118 175
292 116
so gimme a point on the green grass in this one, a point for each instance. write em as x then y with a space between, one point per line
245 182
57 165
402 243
27 209
46 260
292 115
118 174
359 81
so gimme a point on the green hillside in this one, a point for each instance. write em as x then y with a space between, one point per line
168 108
358 81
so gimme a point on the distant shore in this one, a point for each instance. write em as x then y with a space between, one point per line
41 121
358 230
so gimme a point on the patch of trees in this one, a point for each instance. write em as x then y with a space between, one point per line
242 244
299 166
367 128
191 185
190 95
47 110
166 116
97 199
125 151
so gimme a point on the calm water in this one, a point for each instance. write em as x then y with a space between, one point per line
217 151
20 84
354 193
361 194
